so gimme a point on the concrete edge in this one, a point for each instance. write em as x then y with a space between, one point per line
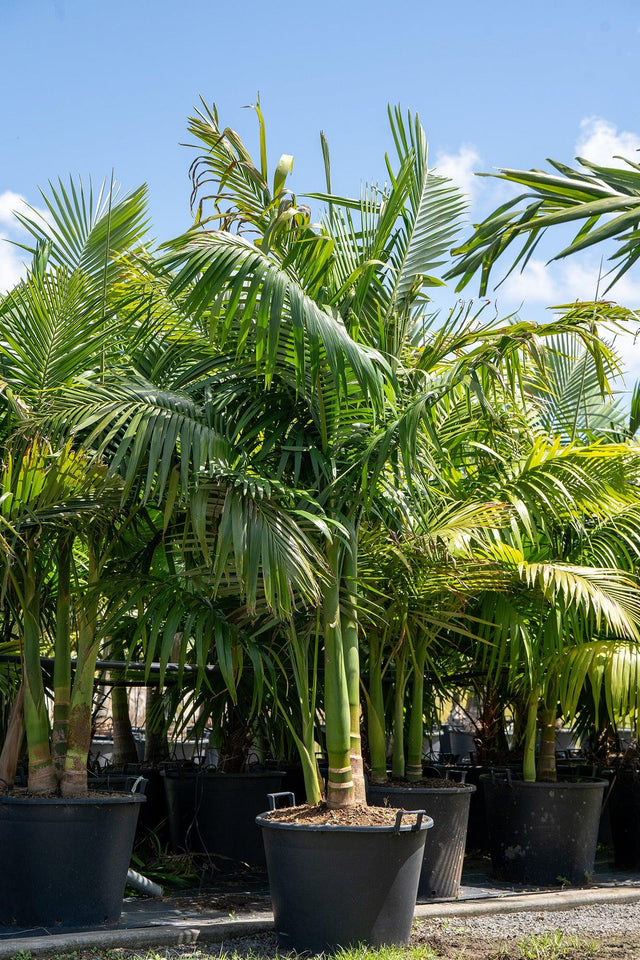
214 931
520 903
135 938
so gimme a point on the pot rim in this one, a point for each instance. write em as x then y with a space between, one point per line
425 824
584 783
116 798
173 774
433 791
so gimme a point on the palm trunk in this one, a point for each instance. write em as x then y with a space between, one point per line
416 719
349 626
13 739
376 712
400 686
42 776
547 760
340 791
62 659
529 762
124 744
307 703
156 746
74 777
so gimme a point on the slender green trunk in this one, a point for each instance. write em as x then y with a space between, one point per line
13 739
547 760
42 776
74 777
307 694
376 711
400 686
349 627
62 657
415 734
336 697
124 745
156 745
529 761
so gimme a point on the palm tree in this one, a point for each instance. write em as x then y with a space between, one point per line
288 381
280 383
57 324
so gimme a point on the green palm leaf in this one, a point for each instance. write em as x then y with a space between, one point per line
605 199
83 231
236 282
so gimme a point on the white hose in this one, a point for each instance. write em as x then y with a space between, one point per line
143 884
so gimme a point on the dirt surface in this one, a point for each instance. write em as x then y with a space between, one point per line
319 815
21 793
424 784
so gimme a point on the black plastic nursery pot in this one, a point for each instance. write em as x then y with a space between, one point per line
65 861
214 813
477 839
154 817
444 853
624 812
543 833
336 886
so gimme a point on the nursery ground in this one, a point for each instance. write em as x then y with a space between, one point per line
580 934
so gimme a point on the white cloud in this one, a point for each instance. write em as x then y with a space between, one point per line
12 266
13 258
565 282
11 202
542 285
535 284
600 142
461 167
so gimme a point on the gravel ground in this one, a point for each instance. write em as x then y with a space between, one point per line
594 932
596 920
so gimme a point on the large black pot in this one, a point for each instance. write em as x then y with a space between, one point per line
477 839
624 812
336 886
154 817
543 833
65 862
214 813
444 854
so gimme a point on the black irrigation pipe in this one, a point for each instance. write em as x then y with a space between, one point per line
172 671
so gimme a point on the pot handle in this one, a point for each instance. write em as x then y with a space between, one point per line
136 783
419 815
501 776
274 797
463 775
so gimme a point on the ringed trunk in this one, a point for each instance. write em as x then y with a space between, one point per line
376 712
349 626
340 791
42 776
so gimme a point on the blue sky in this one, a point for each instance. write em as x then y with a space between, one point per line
91 85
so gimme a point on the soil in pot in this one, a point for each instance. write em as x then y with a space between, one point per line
214 813
447 802
543 833
65 861
340 878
